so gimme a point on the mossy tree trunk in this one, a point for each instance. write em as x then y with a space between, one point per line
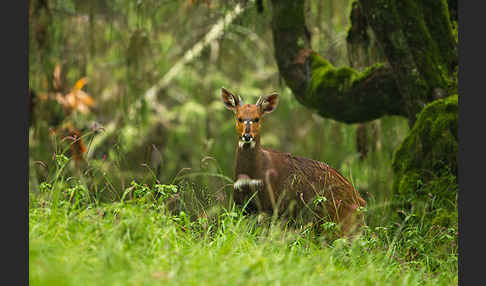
420 49
417 42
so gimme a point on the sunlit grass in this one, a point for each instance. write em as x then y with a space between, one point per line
145 241
136 243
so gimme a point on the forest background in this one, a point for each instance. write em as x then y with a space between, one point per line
125 105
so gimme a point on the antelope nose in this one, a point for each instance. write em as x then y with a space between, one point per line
246 137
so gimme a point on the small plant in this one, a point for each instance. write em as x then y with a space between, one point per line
165 191
45 187
78 195
61 160
135 191
319 200
142 192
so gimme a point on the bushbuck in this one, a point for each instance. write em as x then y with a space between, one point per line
282 183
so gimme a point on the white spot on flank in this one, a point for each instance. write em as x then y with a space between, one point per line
252 183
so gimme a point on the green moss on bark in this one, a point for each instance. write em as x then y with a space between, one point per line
328 79
357 39
425 164
287 14
424 49
420 66
438 20
350 96
418 43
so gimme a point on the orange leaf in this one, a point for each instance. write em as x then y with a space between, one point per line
80 83
85 98
70 100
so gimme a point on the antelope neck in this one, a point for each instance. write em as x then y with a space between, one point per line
247 158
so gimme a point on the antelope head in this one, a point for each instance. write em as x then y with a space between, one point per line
248 117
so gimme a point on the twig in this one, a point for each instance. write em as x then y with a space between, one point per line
150 95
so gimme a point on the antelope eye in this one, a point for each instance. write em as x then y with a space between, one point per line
256 120
240 120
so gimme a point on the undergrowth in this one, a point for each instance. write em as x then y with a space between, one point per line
155 235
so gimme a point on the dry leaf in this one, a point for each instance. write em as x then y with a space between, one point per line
56 79
76 99
72 135
61 99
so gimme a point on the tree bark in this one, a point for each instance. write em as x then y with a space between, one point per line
421 58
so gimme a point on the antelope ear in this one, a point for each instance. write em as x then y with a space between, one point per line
268 103
230 101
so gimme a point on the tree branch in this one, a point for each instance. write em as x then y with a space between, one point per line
342 94
349 96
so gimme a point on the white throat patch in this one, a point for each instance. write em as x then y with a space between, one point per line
241 143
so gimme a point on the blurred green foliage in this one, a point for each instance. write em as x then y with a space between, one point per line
126 47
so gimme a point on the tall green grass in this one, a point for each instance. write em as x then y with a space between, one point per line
166 234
